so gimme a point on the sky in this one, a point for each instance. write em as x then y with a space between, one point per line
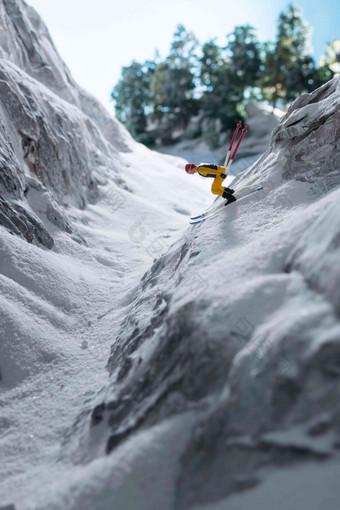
97 38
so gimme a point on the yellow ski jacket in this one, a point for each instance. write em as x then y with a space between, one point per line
217 172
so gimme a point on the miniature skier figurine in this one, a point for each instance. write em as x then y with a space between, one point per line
219 173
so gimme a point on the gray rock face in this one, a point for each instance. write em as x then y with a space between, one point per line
255 353
15 214
22 222
51 130
26 42
307 141
310 133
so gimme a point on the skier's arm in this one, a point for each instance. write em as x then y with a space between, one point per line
212 171
223 172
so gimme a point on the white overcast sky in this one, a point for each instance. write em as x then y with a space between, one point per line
96 38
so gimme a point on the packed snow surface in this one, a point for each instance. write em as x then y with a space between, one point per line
146 363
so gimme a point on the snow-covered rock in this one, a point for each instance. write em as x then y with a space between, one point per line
238 324
50 127
26 42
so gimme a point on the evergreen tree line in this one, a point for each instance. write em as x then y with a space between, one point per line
157 98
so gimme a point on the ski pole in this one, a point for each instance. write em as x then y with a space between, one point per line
232 142
244 130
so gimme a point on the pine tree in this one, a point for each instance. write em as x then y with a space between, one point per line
225 75
210 65
330 61
292 44
131 96
244 60
301 77
172 84
183 49
210 75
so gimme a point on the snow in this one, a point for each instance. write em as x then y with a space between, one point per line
59 312
62 308
205 358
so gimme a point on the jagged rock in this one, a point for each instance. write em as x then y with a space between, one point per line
22 222
51 130
27 43
45 204
310 133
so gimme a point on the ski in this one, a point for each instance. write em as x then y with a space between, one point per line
211 213
207 216
238 194
208 211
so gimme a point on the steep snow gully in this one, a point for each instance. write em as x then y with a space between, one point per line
145 364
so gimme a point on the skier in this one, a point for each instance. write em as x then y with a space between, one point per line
218 173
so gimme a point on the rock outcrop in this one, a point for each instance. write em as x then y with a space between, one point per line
51 130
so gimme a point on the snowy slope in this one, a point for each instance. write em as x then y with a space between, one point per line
224 337
79 224
231 341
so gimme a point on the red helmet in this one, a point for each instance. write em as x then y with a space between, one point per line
189 166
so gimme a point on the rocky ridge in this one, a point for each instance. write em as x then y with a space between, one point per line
56 138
